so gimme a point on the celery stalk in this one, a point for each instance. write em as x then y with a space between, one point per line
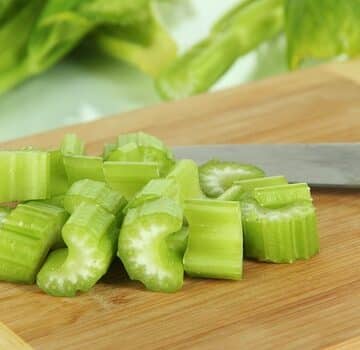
233 193
80 167
178 241
143 247
215 243
25 175
186 175
4 212
90 235
238 32
129 177
72 145
26 236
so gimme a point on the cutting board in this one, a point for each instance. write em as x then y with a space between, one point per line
311 304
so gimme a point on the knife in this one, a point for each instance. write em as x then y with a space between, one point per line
320 165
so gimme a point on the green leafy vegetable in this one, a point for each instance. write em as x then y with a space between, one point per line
322 29
215 243
239 31
143 247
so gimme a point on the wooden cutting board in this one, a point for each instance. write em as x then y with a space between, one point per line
311 304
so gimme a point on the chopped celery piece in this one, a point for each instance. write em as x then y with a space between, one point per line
280 235
58 179
178 241
129 177
143 247
57 201
186 174
90 235
4 212
93 192
247 186
217 176
26 236
233 193
108 148
72 145
278 196
141 147
215 243
80 167
156 189
25 175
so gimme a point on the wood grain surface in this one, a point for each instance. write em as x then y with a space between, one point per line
311 304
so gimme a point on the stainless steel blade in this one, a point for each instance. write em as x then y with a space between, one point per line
320 165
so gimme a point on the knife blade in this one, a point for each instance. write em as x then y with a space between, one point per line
320 165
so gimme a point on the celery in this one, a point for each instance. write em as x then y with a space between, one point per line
278 196
80 167
143 247
58 178
108 148
186 174
141 147
216 176
233 193
247 186
94 192
178 241
129 177
242 29
26 236
25 175
90 235
215 243
4 212
72 145
144 44
156 189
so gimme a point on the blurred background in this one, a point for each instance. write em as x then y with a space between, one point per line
66 62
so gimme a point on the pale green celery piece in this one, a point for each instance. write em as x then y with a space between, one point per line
72 145
186 174
108 148
57 201
4 212
215 243
143 246
16 21
146 45
321 29
58 179
178 241
281 195
80 167
90 236
247 186
280 235
25 175
93 192
142 147
156 189
242 29
59 28
26 236
233 193
129 177
217 176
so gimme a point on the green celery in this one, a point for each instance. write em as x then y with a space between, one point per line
58 179
281 195
215 243
249 185
129 177
90 235
93 192
25 175
186 174
4 212
80 167
108 148
72 145
217 176
178 241
26 236
280 235
155 189
242 29
143 247
233 193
